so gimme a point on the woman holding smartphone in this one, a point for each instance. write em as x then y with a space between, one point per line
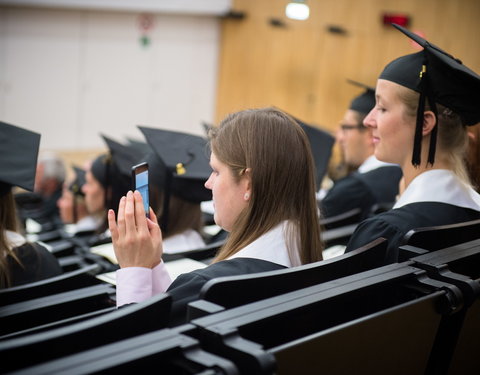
263 189
424 101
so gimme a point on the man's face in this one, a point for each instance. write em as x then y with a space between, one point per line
355 140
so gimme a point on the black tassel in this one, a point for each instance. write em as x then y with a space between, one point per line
433 134
417 142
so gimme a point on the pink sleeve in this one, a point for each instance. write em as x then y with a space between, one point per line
161 279
134 284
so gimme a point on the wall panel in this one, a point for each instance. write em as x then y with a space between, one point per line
303 67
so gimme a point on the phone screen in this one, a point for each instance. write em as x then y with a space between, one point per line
140 174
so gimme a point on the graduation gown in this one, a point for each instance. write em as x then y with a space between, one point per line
362 190
268 252
186 287
394 224
436 197
37 264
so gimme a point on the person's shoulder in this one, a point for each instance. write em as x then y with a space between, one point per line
393 171
237 266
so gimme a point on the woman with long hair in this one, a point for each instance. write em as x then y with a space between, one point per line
21 262
263 189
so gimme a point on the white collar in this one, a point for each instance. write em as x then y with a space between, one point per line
372 163
440 185
272 247
87 223
15 239
187 240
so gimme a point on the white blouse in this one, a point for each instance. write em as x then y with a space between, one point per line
272 247
187 240
440 185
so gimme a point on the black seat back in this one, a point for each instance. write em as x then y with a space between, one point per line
253 287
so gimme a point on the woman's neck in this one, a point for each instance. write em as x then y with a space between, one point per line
410 172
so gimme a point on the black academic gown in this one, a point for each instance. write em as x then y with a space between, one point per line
186 287
362 190
394 224
37 264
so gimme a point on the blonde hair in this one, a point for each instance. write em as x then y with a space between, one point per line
277 152
452 138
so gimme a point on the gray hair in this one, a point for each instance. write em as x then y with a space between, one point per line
53 166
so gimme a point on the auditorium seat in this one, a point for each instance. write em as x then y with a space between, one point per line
81 277
126 322
422 240
382 321
253 287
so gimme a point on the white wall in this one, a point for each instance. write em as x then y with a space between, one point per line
71 74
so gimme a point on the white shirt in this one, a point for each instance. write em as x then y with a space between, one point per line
87 223
187 240
440 185
372 163
272 247
14 239
136 284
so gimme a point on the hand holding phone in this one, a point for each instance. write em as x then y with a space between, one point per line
140 183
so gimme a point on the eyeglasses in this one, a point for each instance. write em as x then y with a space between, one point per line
346 127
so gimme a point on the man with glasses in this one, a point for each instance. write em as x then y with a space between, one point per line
373 186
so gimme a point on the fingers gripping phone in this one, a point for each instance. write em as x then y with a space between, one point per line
140 183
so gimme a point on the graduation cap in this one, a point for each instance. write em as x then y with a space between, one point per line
364 102
18 157
113 170
321 143
76 185
140 146
206 127
182 162
439 78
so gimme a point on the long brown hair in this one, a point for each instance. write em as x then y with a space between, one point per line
8 221
182 215
277 152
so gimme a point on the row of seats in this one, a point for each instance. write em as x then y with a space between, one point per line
420 315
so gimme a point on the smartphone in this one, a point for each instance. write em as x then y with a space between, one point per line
140 183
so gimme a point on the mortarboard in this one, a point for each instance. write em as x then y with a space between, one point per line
182 163
439 78
18 157
76 185
140 146
364 102
321 143
113 170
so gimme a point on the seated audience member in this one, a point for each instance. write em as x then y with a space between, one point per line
178 169
374 182
41 204
263 189
21 262
72 207
107 180
429 98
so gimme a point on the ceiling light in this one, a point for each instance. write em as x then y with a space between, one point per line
297 10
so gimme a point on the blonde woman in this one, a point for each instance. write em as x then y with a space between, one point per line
424 101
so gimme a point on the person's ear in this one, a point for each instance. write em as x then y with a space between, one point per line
247 181
429 120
